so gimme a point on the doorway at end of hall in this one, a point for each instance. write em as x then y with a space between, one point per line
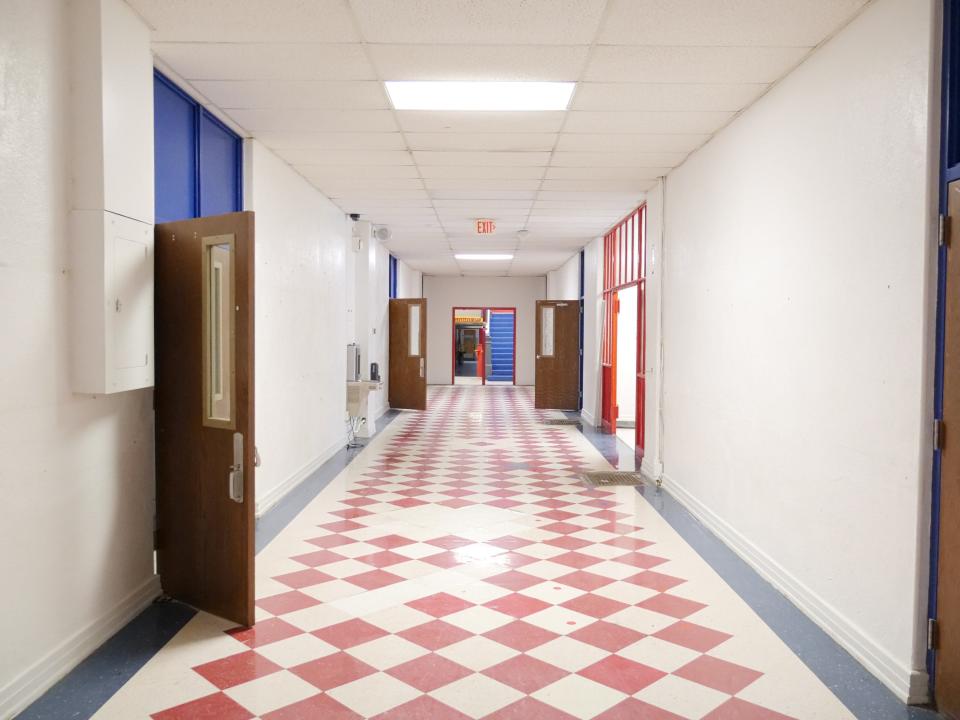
484 346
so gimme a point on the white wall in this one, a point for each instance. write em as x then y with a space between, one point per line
797 299
653 357
592 329
443 293
564 282
301 318
76 471
409 281
627 355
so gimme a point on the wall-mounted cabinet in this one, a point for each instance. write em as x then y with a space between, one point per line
112 310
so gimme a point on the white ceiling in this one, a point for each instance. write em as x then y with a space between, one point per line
655 79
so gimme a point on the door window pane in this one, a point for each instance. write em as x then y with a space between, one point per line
413 343
546 331
218 332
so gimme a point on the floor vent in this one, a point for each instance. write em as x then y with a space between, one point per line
560 421
609 478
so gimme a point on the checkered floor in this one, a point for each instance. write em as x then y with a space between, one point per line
457 569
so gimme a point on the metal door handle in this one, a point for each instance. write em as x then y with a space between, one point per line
256 456
235 478
421 367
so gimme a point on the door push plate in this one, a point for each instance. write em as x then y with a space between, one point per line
235 481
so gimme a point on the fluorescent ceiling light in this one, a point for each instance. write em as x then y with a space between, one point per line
483 256
472 95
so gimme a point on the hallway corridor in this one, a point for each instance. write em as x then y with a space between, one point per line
458 569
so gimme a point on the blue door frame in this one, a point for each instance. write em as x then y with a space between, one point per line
949 172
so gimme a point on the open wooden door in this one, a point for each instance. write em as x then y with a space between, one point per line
205 413
408 354
947 684
557 355
608 376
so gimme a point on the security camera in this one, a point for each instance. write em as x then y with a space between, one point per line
354 216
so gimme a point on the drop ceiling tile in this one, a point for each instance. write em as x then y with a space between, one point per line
318 156
620 63
647 122
333 141
266 61
605 173
471 206
592 198
481 171
498 159
250 21
314 120
465 22
330 174
479 62
735 22
318 94
628 159
521 142
666 96
481 185
428 121
630 142
384 198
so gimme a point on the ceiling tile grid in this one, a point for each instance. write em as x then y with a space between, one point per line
655 79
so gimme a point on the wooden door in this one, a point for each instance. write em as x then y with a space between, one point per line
557 355
609 408
408 354
205 413
947 685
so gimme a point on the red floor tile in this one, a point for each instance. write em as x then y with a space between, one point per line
718 674
318 706
445 560
654 580
287 602
349 633
594 605
332 671
737 709
236 669
633 709
303 578
450 542
422 708
530 709
576 560
514 580
331 541
435 634
517 605
440 604
212 707
390 542
608 636
264 632
429 672
622 674
690 635
640 560
520 635
318 558
584 580
374 579
525 673
671 605
384 558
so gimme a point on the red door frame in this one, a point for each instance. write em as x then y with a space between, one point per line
453 340
624 265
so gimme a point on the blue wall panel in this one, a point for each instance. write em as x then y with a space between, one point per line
219 167
174 151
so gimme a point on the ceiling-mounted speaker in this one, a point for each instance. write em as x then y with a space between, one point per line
382 233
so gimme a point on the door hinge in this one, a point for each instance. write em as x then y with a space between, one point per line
931 634
939 434
943 234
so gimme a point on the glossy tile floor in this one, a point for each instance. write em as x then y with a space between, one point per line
458 569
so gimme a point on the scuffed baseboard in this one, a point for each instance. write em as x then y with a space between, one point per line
277 494
908 684
52 667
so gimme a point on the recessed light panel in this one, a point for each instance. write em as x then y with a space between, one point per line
478 95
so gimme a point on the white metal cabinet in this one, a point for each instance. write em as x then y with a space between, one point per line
112 308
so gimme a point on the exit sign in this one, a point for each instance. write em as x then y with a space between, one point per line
485 226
